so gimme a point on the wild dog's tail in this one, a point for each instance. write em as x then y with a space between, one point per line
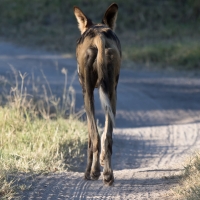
105 102
102 78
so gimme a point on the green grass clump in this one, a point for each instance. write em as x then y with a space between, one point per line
31 144
176 54
189 187
35 138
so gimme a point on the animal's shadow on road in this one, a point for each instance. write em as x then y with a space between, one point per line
134 153
60 186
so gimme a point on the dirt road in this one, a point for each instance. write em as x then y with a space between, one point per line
157 125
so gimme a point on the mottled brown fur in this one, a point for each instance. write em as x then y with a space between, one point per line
98 55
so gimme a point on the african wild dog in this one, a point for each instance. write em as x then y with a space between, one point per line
98 55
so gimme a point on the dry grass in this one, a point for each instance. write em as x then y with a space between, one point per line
189 187
36 140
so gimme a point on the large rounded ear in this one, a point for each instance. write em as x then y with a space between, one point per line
83 22
110 16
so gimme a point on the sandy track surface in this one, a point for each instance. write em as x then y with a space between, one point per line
145 160
157 125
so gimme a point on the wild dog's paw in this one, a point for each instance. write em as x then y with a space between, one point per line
95 174
87 176
108 178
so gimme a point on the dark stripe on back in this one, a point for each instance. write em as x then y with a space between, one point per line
90 33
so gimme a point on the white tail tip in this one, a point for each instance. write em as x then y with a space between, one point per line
105 103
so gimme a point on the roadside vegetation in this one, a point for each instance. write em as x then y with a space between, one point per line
37 137
189 187
151 32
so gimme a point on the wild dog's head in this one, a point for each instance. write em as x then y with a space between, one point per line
109 18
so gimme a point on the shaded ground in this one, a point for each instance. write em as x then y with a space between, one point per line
157 125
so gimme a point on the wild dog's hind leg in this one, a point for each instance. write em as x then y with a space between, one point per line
89 154
109 86
106 144
106 152
93 166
